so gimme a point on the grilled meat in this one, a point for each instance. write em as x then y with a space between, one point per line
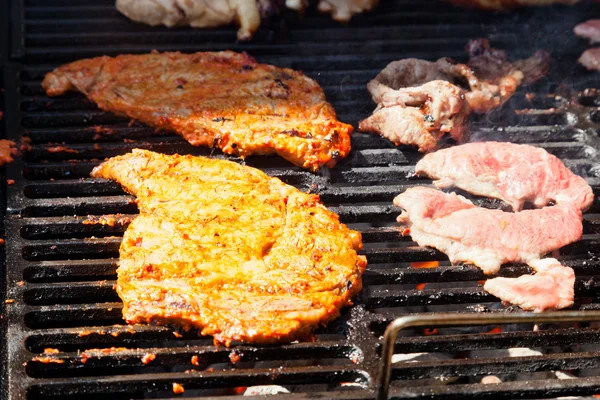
199 13
221 99
433 89
514 173
493 79
589 30
486 238
551 288
507 5
229 250
591 59
419 116
8 149
340 10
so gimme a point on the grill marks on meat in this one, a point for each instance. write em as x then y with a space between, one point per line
228 250
432 89
551 288
515 173
221 99
486 238
507 5
416 105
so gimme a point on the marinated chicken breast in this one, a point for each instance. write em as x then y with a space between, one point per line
507 5
515 173
196 13
230 251
222 99
487 238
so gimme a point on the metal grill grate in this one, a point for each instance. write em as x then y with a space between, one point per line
61 270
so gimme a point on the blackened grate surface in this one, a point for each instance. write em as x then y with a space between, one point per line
61 270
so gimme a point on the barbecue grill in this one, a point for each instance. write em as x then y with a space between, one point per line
60 262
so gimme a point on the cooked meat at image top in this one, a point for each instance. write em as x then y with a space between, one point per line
508 5
230 251
340 10
419 101
221 99
199 13
487 238
515 173
247 14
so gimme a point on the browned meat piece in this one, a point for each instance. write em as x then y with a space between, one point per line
493 79
424 100
507 5
340 10
418 116
199 13
8 149
591 59
221 99
551 288
229 250
589 30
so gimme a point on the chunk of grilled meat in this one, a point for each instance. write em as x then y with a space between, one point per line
199 13
419 101
507 5
420 115
221 99
493 79
340 10
229 250
591 59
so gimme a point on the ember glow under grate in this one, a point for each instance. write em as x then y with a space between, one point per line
61 255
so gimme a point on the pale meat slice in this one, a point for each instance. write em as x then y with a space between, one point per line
221 99
589 29
230 251
550 288
591 59
486 238
515 173
508 5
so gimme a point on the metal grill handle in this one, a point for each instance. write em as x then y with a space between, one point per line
446 319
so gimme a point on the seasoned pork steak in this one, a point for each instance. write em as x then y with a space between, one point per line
229 250
221 99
